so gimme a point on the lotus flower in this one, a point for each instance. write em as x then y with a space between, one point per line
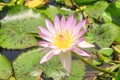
62 38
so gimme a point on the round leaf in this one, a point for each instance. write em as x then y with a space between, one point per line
97 9
54 69
12 39
106 51
27 66
16 28
5 68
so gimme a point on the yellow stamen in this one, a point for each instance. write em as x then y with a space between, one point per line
63 40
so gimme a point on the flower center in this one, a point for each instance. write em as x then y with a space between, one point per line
63 40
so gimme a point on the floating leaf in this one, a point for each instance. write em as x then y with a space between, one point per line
106 51
107 17
27 66
12 39
114 11
96 10
78 71
53 11
54 69
5 68
104 35
17 28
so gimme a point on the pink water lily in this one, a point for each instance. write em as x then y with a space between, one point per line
62 38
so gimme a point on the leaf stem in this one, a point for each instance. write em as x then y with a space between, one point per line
93 66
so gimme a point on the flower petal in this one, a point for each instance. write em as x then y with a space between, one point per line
78 41
66 60
57 23
80 52
72 26
46 44
77 36
50 26
85 44
69 21
45 36
63 22
49 55
43 30
79 26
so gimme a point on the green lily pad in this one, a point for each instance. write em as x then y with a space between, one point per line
96 10
104 35
114 11
16 28
57 72
78 71
12 39
5 68
107 17
106 51
27 66
53 11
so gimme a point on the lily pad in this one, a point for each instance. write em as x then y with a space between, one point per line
78 71
5 68
104 35
53 11
12 39
27 66
57 72
114 11
106 51
16 28
96 10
